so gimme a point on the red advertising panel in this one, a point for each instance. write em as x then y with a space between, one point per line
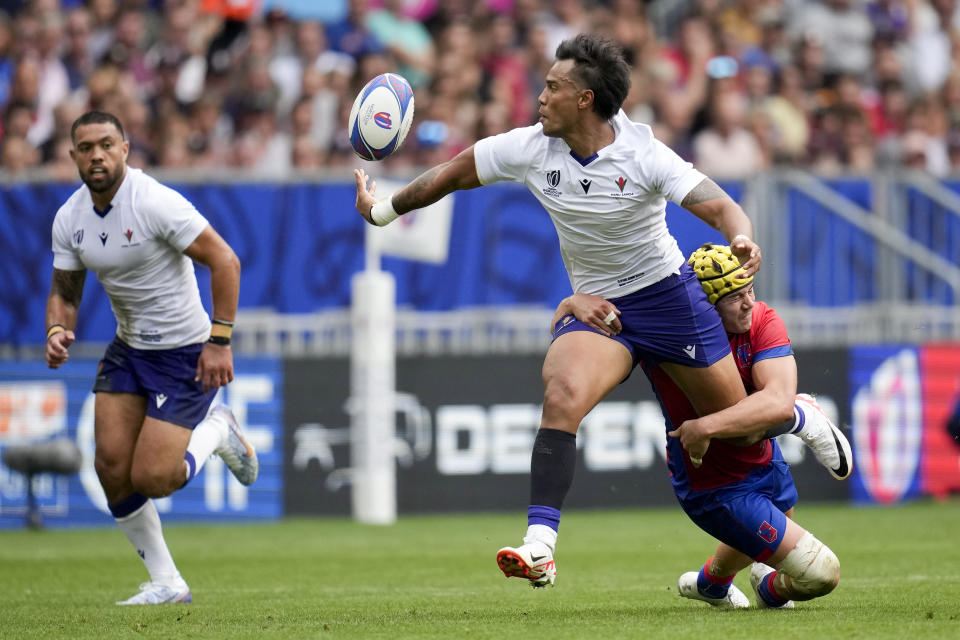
940 471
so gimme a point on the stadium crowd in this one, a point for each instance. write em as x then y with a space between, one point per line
734 86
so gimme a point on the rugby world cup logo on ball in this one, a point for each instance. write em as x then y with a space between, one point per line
381 116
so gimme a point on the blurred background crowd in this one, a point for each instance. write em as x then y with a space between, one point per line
265 86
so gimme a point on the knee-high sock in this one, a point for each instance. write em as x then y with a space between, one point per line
137 517
206 437
552 466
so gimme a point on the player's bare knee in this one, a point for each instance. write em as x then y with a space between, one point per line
152 483
562 402
109 473
813 569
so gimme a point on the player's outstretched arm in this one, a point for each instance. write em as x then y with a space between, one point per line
66 290
457 174
711 204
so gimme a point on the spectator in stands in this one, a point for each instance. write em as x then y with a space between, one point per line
189 49
789 117
407 40
351 35
17 119
843 29
727 149
128 50
287 70
17 155
504 63
77 55
211 133
305 156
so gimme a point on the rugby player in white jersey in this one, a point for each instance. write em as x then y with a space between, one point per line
153 426
605 182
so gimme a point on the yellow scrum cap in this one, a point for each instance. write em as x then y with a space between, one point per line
717 270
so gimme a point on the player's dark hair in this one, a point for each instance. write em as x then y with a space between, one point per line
95 117
599 65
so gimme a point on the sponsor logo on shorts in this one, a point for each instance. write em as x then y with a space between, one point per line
767 532
691 350
160 398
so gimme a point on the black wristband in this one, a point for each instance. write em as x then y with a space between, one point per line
219 340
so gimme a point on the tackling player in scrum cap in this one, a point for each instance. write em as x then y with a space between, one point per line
742 492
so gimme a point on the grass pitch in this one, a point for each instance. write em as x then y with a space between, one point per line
436 577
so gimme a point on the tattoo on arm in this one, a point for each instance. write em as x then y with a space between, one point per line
706 190
68 285
419 193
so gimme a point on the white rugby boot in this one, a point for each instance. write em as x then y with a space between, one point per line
830 447
531 560
758 573
236 451
155 593
687 588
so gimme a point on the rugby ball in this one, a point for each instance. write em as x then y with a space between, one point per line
381 116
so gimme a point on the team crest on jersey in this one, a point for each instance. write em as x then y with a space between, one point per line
622 184
128 234
553 179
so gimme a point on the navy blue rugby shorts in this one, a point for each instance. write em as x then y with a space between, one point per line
669 321
164 376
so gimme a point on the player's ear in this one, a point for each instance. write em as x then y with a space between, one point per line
585 99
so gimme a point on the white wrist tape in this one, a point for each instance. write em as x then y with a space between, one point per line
383 212
740 235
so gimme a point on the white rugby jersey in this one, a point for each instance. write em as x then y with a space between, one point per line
609 210
136 249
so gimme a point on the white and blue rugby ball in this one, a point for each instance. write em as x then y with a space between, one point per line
381 116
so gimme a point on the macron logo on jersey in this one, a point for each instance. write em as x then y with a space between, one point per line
586 185
161 398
